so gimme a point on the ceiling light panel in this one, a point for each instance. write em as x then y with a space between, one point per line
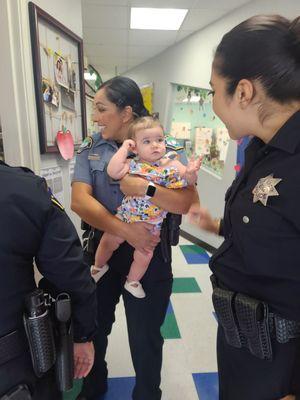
157 18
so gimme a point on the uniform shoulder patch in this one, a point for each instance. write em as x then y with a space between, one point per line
57 203
86 144
172 143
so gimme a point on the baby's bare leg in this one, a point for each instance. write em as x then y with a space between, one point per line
108 244
139 265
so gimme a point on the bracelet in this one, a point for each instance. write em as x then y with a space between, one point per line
218 222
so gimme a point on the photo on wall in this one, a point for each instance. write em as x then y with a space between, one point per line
197 128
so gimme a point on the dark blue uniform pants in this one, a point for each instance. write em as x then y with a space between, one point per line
19 371
144 319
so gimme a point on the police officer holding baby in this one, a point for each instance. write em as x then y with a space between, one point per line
95 198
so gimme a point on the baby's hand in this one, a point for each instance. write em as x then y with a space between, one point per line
192 169
129 144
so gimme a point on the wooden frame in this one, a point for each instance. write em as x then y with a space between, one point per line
57 55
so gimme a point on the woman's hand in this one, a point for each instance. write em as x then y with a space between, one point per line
202 218
133 186
139 235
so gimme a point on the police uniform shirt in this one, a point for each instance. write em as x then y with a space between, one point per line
34 226
91 168
260 254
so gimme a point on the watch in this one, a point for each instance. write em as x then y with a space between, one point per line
150 192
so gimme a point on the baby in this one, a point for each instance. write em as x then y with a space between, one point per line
147 141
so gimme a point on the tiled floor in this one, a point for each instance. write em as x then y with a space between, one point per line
189 365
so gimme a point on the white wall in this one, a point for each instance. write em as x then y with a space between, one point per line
189 63
17 97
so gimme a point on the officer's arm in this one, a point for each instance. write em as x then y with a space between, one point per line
92 211
60 260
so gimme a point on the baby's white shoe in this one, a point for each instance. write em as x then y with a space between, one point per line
135 288
97 273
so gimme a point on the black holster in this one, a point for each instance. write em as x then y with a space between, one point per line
245 321
39 331
64 366
20 392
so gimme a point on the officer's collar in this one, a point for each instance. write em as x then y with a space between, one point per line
288 136
99 141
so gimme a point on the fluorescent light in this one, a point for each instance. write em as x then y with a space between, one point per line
169 19
90 77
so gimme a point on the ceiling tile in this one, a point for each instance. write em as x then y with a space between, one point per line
105 36
198 18
105 17
105 2
105 51
183 34
145 51
162 3
228 4
151 37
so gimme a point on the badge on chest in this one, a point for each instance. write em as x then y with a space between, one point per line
265 188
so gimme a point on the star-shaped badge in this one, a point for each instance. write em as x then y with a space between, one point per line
265 187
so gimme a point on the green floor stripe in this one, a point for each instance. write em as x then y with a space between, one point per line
185 285
170 329
187 248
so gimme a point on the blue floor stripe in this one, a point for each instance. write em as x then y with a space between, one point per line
192 258
170 308
207 385
119 388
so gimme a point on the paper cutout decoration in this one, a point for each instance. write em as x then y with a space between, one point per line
65 144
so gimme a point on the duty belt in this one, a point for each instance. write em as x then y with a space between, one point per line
248 323
12 345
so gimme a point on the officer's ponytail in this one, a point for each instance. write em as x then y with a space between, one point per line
265 48
123 92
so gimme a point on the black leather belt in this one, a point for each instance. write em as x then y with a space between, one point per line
12 345
248 323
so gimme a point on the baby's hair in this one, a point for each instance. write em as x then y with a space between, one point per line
142 123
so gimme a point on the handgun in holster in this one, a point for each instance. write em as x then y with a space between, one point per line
169 235
88 238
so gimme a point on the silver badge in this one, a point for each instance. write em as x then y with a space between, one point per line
265 187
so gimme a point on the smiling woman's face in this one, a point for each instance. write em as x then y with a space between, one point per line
108 116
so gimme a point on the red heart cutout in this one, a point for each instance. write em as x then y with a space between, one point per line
65 144
237 167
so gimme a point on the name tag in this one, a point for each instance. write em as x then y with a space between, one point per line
94 157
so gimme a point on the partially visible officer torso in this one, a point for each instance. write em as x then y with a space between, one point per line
91 168
34 226
260 254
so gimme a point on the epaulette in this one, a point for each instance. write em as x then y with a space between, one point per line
172 143
57 203
86 144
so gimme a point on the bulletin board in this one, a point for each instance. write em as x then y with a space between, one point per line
197 128
58 74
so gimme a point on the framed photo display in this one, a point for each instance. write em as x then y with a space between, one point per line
59 81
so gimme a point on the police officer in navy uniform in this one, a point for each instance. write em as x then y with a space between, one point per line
95 199
35 228
256 86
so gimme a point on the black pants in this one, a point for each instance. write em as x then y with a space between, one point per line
144 319
19 371
245 377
